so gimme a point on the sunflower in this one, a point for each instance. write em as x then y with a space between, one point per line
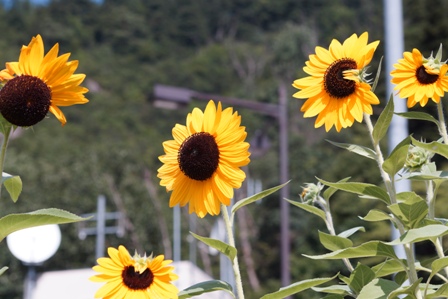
134 277
37 84
419 79
337 89
202 163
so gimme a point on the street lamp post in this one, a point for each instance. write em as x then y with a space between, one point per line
173 97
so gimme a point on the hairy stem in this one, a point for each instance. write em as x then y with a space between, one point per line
231 239
442 124
431 199
325 205
389 183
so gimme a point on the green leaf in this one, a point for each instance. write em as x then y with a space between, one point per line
410 212
377 77
382 125
388 267
438 265
397 157
378 289
376 215
15 222
361 189
334 242
405 290
435 147
429 232
372 248
5 126
330 190
248 200
419 116
357 149
13 185
334 296
297 287
428 172
400 277
205 287
347 233
222 247
361 276
344 279
334 289
3 270
442 292
309 208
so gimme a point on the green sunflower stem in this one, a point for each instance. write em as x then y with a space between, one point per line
231 240
325 205
380 160
389 183
7 133
431 199
442 123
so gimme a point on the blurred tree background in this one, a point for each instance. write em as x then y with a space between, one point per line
110 146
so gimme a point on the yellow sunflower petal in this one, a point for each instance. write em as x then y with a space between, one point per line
337 103
127 281
55 72
206 176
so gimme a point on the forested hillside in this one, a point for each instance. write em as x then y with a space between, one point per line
110 146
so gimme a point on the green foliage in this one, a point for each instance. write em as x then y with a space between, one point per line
205 287
297 287
15 222
383 123
243 202
13 185
222 247
366 189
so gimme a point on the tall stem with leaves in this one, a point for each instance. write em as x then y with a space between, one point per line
389 183
231 240
325 205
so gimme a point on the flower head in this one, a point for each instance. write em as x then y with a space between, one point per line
39 83
419 79
202 163
134 277
337 89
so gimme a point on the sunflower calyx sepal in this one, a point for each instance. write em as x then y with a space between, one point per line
359 76
433 64
141 262
6 126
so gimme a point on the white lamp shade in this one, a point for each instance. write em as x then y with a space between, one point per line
36 244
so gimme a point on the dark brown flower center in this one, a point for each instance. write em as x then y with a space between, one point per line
423 77
25 100
335 84
135 280
199 156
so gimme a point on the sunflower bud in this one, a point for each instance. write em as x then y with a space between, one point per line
311 192
416 158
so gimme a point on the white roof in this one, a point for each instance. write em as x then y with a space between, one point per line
75 284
